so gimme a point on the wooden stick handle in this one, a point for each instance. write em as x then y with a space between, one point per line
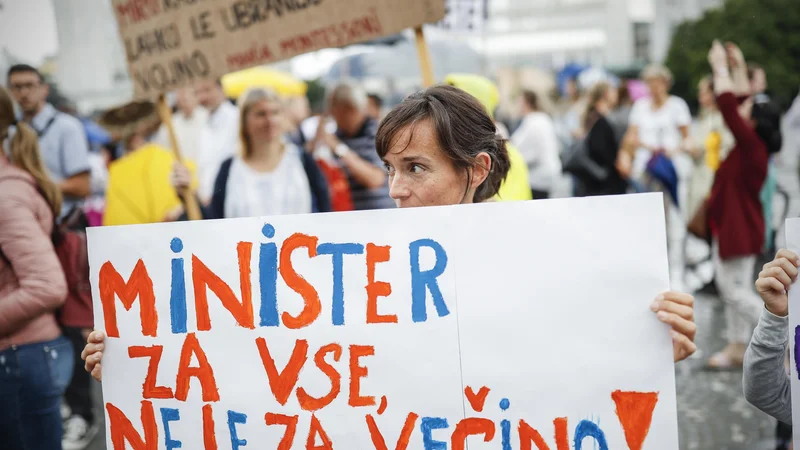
424 58
189 199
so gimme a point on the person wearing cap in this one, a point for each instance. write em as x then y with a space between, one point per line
139 189
515 186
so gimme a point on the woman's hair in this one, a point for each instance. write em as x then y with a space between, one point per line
463 130
246 102
596 93
531 99
24 152
657 71
768 124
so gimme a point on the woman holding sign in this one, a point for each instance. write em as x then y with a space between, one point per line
440 148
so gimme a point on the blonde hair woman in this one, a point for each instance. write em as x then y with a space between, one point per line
268 175
36 361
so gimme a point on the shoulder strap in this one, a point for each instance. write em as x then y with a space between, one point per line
44 130
221 189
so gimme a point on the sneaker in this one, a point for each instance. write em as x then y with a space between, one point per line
78 433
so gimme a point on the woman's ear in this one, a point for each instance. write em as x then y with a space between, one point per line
481 169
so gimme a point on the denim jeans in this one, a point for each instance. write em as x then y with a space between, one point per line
33 378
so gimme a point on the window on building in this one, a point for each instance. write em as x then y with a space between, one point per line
641 41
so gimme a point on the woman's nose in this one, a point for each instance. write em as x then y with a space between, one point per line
398 187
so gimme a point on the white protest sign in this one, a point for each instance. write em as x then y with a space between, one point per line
171 43
793 243
504 325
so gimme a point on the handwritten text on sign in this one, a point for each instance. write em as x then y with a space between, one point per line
359 331
171 43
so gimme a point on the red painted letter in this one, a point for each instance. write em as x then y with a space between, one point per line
122 429
357 373
149 388
203 279
138 285
310 403
405 435
297 283
291 428
375 289
209 435
471 427
282 383
635 412
316 430
204 373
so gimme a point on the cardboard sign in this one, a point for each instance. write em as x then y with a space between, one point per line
505 325
793 243
171 43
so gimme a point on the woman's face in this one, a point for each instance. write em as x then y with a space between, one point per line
264 121
421 173
611 97
658 86
705 97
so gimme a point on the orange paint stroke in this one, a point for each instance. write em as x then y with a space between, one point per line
377 254
121 429
203 372
138 285
204 279
291 428
635 412
528 435
562 435
309 403
357 373
405 434
149 388
476 401
316 430
282 383
470 427
312 305
209 434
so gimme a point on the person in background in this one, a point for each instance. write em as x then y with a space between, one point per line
269 176
223 124
431 165
516 185
62 140
36 361
601 141
537 141
297 111
620 114
190 122
658 137
138 182
734 209
374 107
353 144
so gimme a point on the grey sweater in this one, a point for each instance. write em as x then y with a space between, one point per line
766 383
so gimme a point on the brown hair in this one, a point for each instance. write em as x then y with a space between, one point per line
463 130
596 93
246 102
531 99
24 152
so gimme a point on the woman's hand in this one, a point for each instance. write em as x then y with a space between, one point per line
735 55
775 280
717 56
180 178
676 309
93 353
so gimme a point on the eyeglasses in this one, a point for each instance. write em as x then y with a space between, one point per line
19 87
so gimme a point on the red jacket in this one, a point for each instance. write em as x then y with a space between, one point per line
735 212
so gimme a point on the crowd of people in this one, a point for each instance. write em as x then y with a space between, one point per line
267 155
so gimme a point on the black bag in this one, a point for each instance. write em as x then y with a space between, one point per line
575 160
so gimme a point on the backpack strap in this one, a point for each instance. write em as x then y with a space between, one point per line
44 130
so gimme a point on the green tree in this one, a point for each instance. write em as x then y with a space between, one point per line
768 32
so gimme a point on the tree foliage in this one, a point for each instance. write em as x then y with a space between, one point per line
768 32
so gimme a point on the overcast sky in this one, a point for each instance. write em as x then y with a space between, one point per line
28 29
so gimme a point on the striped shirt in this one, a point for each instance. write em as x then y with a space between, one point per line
363 143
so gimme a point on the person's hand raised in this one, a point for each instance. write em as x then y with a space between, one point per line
735 55
775 280
717 56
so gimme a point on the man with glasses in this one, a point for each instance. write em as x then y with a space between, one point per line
62 140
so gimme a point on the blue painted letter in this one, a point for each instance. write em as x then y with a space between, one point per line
338 251
432 423
234 418
268 277
170 415
177 296
589 429
420 279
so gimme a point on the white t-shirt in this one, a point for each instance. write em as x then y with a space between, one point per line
285 190
223 133
537 141
658 128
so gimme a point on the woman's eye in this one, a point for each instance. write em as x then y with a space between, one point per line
416 168
389 169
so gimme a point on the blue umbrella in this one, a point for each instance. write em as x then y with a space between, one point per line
662 169
570 71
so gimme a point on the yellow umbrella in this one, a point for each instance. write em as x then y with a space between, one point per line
236 83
